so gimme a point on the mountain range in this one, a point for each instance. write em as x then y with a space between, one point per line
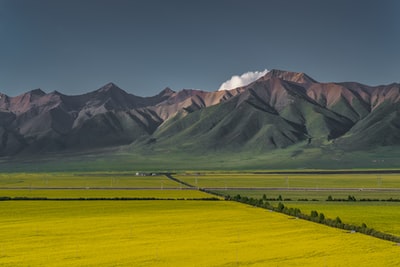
277 111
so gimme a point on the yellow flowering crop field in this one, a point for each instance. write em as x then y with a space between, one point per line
85 180
103 193
175 233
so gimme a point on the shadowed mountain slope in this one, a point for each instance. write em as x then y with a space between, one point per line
278 110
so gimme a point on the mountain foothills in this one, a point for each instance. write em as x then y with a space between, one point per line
277 111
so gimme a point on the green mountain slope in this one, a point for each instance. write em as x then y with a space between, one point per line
283 118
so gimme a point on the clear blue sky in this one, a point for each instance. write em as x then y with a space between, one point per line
76 46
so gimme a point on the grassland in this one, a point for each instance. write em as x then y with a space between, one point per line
294 157
181 233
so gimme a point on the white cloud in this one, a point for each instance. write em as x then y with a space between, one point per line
242 80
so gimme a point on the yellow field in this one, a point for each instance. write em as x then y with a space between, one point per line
110 193
84 180
175 233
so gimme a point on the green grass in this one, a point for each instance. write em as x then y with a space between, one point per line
382 216
175 233
294 157
312 195
293 180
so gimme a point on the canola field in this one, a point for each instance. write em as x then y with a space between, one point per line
175 233
179 232
85 180
102 193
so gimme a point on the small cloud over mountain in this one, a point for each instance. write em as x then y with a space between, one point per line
242 80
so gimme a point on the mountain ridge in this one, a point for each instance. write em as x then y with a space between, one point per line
276 111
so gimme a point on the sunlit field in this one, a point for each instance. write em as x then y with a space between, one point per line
382 216
85 180
101 193
294 180
320 195
175 233
183 230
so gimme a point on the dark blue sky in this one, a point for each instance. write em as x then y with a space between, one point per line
76 46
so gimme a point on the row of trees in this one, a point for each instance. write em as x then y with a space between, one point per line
352 198
314 216
349 198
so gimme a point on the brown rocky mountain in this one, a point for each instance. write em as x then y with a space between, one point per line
276 111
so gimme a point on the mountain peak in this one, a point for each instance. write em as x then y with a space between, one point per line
166 91
297 77
110 88
37 92
279 110
55 92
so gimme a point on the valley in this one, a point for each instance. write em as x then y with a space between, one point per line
284 171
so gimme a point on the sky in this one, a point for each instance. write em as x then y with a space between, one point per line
143 46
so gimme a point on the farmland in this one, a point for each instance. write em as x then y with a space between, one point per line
382 216
181 229
84 180
374 194
175 233
294 180
311 194
102 193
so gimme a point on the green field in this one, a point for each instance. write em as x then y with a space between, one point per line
175 233
85 180
315 181
312 195
382 216
379 215
295 157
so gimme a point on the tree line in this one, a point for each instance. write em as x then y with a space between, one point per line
314 216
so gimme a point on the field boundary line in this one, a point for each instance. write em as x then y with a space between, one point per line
95 188
169 176
304 189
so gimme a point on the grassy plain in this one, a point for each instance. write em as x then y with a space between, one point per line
175 233
294 157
